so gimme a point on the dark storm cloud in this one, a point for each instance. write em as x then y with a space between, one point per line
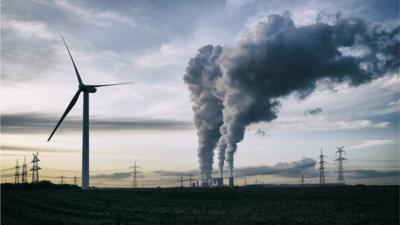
313 112
115 176
22 148
42 123
164 173
366 174
201 75
277 58
305 166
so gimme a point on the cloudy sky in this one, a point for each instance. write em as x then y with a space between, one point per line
151 121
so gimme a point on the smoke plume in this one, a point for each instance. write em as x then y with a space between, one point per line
276 59
201 75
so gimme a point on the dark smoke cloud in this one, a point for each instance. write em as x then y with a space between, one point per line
276 59
313 112
201 74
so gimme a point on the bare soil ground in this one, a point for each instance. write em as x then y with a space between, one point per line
242 206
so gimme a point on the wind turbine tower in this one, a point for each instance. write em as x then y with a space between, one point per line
321 170
86 89
340 161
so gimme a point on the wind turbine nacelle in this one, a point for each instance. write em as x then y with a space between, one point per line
89 89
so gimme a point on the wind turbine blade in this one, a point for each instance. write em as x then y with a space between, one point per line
71 104
104 85
76 70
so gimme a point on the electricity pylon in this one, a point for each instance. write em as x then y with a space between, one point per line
62 178
75 180
24 178
340 159
35 168
16 179
181 180
134 174
321 169
190 178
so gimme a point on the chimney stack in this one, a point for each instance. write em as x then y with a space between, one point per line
221 182
231 184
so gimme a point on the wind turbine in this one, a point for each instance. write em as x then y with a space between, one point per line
86 89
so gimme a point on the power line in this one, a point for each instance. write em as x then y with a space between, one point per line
8 175
12 168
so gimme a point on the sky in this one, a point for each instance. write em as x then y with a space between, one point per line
151 120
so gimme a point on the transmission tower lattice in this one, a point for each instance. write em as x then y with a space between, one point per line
62 178
190 178
321 169
134 174
340 152
35 168
16 180
24 178
181 179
